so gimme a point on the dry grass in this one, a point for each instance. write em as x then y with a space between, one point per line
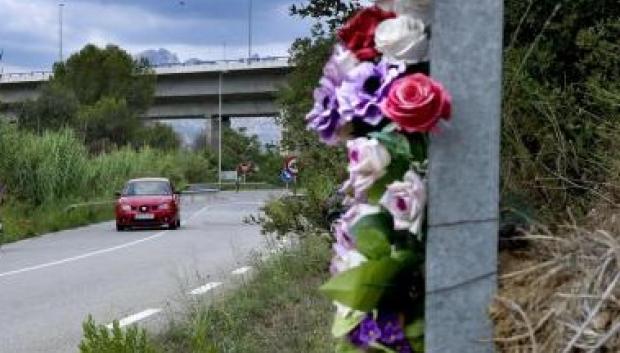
562 293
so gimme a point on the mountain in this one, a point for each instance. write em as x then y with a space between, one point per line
159 56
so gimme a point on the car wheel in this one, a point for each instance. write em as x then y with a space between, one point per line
119 228
173 225
178 223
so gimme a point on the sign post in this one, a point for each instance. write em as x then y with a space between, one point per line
290 166
463 212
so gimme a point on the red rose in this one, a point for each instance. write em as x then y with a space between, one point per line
358 34
416 103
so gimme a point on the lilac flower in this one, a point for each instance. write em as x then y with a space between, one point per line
363 89
324 117
385 330
340 64
368 160
358 211
406 200
366 333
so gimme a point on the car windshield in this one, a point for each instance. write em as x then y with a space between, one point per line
138 188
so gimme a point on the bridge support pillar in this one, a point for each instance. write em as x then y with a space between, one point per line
213 131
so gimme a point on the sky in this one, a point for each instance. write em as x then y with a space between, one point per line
204 29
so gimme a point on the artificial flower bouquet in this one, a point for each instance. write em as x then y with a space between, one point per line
376 97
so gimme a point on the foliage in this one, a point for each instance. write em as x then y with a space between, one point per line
283 216
107 123
318 164
561 97
161 136
278 309
57 107
332 12
98 339
238 147
44 174
99 93
94 73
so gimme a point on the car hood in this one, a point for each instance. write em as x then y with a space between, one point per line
145 200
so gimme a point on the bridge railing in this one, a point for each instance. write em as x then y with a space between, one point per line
267 59
8 77
35 76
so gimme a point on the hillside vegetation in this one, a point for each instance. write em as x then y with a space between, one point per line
40 175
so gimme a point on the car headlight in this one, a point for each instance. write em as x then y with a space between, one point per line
125 207
164 206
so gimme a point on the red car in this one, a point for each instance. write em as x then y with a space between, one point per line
148 202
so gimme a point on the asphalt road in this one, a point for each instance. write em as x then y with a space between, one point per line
49 284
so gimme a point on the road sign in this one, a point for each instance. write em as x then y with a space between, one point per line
229 175
286 176
245 167
290 165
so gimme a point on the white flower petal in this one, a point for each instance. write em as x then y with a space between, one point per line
402 38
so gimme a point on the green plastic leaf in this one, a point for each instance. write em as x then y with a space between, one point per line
397 144
372 235
395 171
407 258
344 324
344 346
378 347
415 329
362 287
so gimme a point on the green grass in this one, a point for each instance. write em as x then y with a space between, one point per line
278 310
21 220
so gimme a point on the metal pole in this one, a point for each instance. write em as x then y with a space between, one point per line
219 140
249 30
60 7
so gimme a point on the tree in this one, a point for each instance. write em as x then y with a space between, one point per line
55 108
107 123
160 136
94 73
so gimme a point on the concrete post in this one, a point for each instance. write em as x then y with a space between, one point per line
461 268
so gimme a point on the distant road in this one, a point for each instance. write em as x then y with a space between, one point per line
49 284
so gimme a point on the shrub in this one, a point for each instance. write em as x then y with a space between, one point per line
278 309
98 339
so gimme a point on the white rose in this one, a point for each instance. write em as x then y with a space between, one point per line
406 200
402 38
368 160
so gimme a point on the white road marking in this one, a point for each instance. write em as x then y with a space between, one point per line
241 270
93 253
135 318
207 287
114 248
83 256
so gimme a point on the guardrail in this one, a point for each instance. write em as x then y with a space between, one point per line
43 75
268 59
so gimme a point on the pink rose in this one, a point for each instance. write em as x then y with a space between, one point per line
416 103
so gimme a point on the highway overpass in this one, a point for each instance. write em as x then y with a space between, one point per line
187 91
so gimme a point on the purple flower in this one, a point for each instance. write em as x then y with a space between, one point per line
324 117
339 64
363 89
385 330
367 332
